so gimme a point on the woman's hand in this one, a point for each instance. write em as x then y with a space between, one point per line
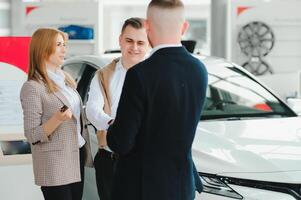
58 118
63 116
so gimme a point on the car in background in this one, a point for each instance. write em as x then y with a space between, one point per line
247 143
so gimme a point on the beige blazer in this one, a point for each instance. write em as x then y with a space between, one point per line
55 158
104 78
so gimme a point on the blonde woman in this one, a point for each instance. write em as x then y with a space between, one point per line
53 119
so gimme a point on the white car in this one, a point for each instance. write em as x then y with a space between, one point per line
248 141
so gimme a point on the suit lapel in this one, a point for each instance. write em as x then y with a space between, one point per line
80 98
62 98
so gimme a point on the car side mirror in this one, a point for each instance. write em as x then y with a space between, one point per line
294 104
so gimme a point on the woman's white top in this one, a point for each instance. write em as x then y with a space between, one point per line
73 98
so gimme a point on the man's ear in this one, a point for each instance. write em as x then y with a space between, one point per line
119 39
185 27
146 25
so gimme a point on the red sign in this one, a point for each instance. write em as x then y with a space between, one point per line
15 51
242 9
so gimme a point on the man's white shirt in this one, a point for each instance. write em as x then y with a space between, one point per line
95 103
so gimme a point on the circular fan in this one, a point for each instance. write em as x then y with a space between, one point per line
256 39
257 67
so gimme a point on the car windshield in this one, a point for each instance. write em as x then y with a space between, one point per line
232 94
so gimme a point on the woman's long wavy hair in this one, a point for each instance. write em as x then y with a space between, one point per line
42 46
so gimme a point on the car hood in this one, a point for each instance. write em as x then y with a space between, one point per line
260 149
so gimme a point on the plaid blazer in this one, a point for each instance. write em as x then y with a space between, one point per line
55 158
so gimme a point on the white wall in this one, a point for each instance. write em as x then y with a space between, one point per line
5 22
116 11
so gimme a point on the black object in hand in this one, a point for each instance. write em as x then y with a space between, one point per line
64 108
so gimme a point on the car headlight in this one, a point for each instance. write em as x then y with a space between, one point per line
214 185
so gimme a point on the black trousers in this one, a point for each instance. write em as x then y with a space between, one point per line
104 163
72 191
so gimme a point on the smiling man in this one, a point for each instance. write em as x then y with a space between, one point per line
104 95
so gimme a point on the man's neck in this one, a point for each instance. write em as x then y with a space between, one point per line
126 65
166 41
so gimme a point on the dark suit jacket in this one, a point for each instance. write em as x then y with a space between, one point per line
157 116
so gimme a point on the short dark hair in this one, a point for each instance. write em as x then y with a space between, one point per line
134 22
166 3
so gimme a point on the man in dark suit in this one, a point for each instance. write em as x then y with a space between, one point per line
158 112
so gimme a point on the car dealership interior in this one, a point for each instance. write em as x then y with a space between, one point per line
247 143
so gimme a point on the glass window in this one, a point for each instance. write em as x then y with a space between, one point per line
231 93
84 82
75 70
15 147
198 31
